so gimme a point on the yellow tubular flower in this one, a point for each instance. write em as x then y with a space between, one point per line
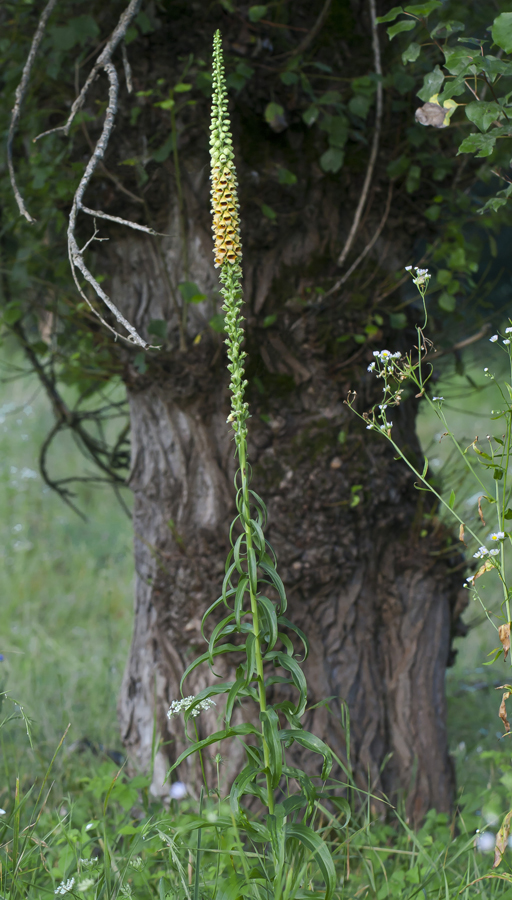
226 221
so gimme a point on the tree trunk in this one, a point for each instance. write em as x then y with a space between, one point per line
345 521
363 577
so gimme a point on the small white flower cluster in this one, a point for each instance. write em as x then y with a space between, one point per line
506 341
179 706
65 886
422 276
86 884
483 551
386 359
437 398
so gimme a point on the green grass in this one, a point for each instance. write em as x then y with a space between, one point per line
66 585
66 618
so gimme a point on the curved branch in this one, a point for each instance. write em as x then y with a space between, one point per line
21 90
76 258
368 247
103 59
376 138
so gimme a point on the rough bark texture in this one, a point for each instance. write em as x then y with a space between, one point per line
377 602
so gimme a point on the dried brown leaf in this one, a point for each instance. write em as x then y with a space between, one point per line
502 839
503 710
461 532
504 633
431 114
480 513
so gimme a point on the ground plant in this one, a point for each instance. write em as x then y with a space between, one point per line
280 834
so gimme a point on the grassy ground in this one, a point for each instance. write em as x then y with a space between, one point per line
66 589
66 585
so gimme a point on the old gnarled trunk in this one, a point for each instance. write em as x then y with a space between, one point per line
376 606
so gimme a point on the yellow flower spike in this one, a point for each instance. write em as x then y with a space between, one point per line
226 223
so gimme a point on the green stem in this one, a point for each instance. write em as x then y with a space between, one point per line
242 456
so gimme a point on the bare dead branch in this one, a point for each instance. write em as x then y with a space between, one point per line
127 69
368 247
311 35
19 97
75 254
104 58
376 138
101 215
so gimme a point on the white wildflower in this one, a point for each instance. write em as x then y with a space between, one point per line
493 339
85 884
371 367
486 369
497 536
508 330
178 790
482 551
369 426
408 268
506 341
383 406
178 706
437 398
494 552
136 863
65 886
3 812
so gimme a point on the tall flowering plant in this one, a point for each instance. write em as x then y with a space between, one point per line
253 601
489 467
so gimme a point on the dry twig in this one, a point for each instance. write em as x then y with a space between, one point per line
104 62
376 138
21 90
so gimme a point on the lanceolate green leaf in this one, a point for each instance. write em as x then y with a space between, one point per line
310 742
282 620
299 680
269 620
236 731
205 657
320 852
270 722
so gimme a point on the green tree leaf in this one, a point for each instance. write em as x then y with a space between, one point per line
432 84
423 9
502 31
391 15
190 292
483 143
332 160
412 53
257 12
403 25
483 114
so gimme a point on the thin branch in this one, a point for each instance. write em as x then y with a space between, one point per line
460 345
368 247
304 44
103 59
101 215
127 69
376 138
19 97
75 255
